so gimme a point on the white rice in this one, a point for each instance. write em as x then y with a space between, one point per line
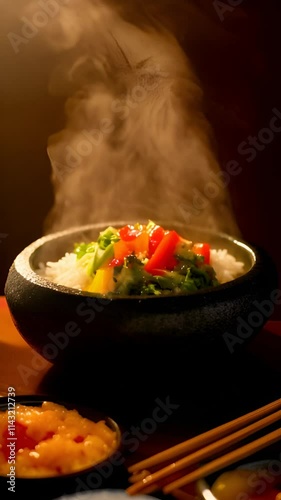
70 272
226 266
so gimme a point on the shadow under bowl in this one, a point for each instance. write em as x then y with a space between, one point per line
106 474
66 325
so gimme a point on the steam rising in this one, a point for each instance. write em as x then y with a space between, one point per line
136 144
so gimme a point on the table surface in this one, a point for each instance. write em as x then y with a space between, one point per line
196 404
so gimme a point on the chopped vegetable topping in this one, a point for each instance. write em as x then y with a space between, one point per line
145 260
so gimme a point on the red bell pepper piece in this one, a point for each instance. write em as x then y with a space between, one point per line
129 233
157 234
163 257
203 249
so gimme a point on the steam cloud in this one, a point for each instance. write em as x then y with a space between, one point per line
136 144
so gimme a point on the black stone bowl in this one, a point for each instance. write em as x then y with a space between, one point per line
65 325
110 473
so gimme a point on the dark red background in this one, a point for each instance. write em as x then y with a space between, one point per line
238 63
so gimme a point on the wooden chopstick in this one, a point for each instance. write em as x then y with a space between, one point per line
228 459
201 454
204 438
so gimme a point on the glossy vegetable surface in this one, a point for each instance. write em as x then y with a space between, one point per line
145 260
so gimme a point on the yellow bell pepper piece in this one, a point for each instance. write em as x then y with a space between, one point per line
103 281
